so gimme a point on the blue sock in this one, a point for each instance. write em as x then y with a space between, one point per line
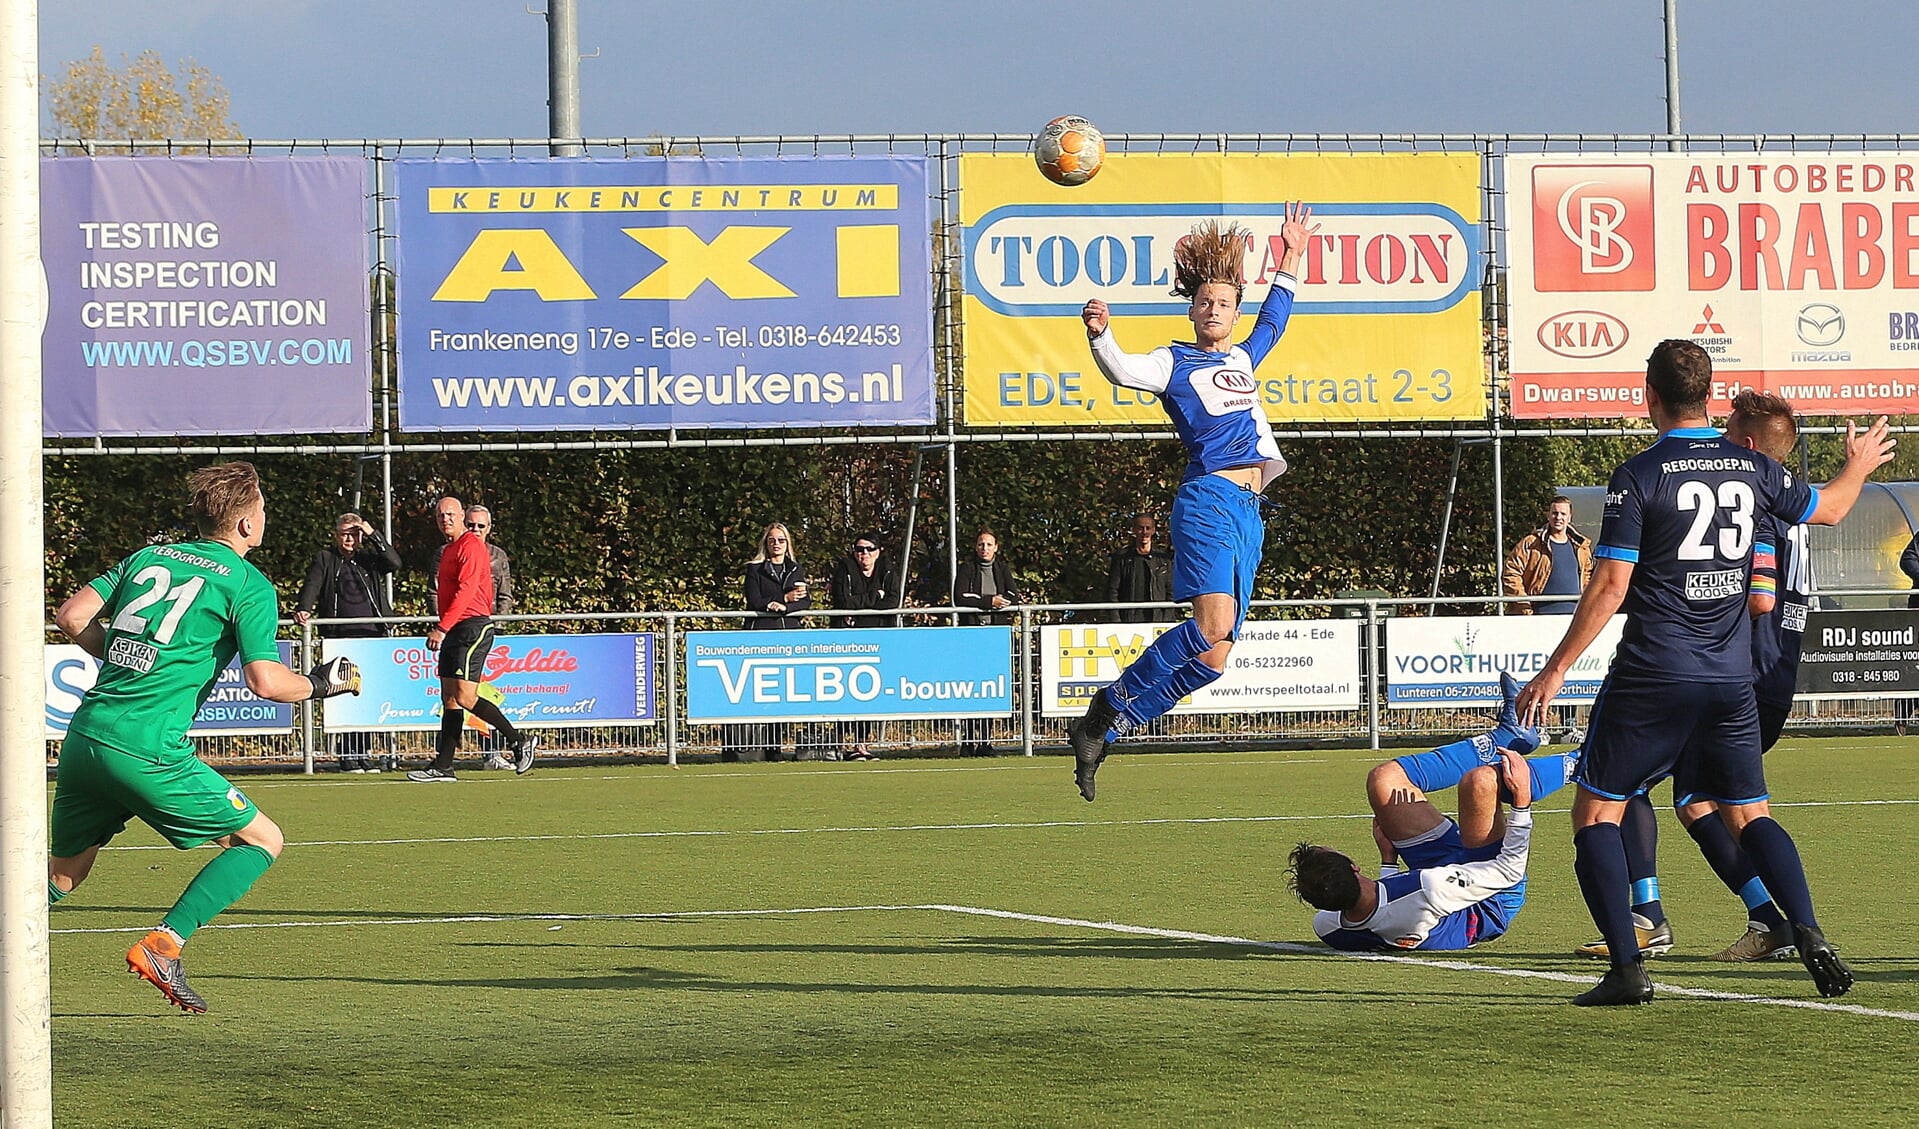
1599 860
1734 869
1776 858
1157 699
1446 766
1639 831
1551 772
1169 654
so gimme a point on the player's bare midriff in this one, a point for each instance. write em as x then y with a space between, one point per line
1251 477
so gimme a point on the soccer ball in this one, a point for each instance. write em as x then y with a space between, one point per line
1069 150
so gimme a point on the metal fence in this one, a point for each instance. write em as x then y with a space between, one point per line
672 739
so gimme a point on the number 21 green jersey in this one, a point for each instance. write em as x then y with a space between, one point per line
176 615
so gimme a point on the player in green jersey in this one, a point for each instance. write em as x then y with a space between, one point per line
164 622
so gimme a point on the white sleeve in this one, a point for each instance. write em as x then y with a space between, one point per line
1150 373
1452 888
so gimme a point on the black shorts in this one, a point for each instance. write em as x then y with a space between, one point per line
1705 735
463 651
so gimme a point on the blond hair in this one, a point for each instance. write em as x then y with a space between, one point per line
221 493
1211 253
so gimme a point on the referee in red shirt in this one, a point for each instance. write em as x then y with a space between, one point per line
463 637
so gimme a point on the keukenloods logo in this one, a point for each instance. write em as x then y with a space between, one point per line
1593 228
1048 259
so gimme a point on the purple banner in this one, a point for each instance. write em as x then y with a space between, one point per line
205 295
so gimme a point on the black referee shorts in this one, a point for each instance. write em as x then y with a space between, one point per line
463 651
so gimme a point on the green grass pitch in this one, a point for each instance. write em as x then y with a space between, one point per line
623 946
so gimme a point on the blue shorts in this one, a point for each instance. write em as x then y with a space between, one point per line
1442 849
1218 538
1705 735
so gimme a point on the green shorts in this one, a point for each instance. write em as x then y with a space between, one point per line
99 787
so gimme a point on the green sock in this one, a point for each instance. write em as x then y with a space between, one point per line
55 893
219 884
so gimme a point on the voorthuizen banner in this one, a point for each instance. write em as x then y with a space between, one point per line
1276 665
548 680
205 295
1799 275
230 709
666 292
875 673
1386 321
1442 662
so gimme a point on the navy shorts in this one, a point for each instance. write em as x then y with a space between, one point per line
1218 537
1705 735
1772 719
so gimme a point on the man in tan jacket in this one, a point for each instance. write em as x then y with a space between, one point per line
1554 560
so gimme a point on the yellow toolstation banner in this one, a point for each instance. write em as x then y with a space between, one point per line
1385 325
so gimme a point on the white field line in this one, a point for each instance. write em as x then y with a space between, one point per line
1048 919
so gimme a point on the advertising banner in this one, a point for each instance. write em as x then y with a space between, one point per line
205 295
548 680
665 292
230 708
1276 665
1798 274
1862 654
1450 662
1385 325
877 673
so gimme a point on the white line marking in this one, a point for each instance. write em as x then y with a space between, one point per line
1048 919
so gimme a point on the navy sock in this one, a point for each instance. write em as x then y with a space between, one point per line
1639 830
1734 869
1776 857
1599 860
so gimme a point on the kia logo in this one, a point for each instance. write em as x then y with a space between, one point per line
1821 324
1582 334
1233 380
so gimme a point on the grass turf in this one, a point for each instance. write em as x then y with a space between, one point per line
377 1011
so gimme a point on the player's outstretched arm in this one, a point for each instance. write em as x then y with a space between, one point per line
1150 373
1601 600
79 620
1865 452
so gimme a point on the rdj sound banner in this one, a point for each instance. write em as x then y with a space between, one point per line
1798 274
548 680
230 709
670 292
205 296
866 672
1445 662
1385 325
1276 665
1860 654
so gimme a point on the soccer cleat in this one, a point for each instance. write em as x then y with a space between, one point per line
431 776
1622 986
1508 733
523 754
1759 943
495 761
1654 941
1829 973
1087 735
156 959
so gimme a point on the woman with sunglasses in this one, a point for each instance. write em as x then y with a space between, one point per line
863 580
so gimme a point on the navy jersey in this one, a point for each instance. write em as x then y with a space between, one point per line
1211 398
1780 567
1685 513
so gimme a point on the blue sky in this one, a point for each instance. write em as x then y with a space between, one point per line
477 68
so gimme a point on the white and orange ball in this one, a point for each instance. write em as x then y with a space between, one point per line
1070 150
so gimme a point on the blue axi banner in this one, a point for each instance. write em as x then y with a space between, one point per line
823 675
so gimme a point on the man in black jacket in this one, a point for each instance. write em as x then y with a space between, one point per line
1142 573
863 580
983 581
343 583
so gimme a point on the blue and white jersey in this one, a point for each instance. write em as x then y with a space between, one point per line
1685 513
1444 907
1781 568
1211 398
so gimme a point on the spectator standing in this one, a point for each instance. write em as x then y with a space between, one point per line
776 589
983 581
1142 573
863 580
1553 560
1909 564
342 583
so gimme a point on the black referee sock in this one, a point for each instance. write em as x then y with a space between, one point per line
452 722
488 712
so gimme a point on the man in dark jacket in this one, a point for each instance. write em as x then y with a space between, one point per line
1142 573
983 581
342 583
863 580
1553 560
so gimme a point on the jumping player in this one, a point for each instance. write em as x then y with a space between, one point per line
1208 392
1674 551
175 616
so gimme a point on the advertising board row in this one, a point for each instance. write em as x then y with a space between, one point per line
196 296
1441 662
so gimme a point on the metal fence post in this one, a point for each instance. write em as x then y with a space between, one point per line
306 661
1372 671
1025 684
672 692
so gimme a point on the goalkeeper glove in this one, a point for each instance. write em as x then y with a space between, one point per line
334 676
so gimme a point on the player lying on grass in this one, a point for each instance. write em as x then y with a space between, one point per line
175 615
1444 883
